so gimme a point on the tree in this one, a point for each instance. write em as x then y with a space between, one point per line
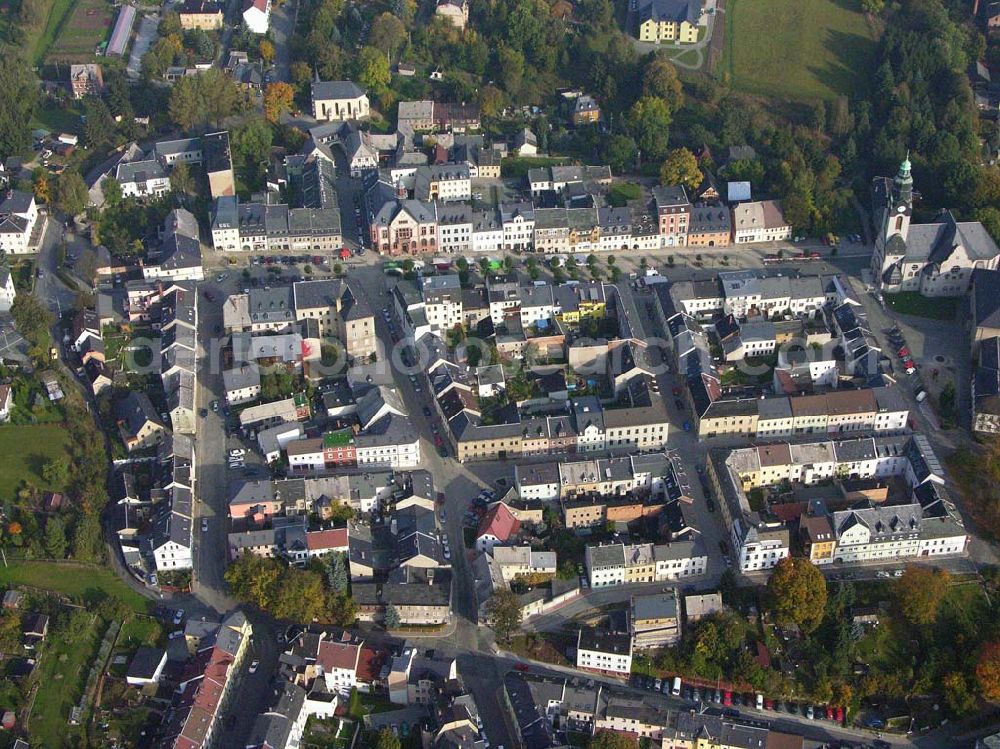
181 179
988 670
184 106
19 94
266 49
386 739
278 98
612 740
919 593
388 34
112 190
798 593
649 120
55 537
504 614
392 620
99 127
32 317
55 472
681 168
88 543
660 79
619 152
373 70
336 573
873 7
251 145
71 193
42 188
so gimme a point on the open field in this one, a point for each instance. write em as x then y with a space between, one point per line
80 582
813 49
87 26
61 678
23 452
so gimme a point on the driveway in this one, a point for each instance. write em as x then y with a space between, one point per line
144 39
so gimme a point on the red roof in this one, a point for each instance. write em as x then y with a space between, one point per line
332 539
333 655
260 5
370 664
789 511
499 523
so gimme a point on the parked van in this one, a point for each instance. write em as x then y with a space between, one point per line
676 690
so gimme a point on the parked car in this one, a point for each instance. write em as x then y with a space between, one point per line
204 524
178 616
253 666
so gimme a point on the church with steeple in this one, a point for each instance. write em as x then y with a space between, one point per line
935 259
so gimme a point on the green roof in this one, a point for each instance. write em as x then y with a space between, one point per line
340 438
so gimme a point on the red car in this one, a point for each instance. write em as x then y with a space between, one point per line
829 713
815 255
839 713
520 667
437 440
727 698
903 352
768 704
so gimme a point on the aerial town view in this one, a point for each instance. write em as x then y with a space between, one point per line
499 374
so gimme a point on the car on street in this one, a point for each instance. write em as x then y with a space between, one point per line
203 412
253 666
427 411
204 525
687 426
237 452
215 406
178 616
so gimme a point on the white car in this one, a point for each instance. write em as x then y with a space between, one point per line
237 452
175 634
253 666
204 525
178 616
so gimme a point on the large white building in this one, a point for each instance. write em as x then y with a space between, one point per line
935 259
257 15
339 100
18 214
606 652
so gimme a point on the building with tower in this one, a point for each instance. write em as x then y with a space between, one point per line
935 259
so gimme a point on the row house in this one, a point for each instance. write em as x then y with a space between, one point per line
622 564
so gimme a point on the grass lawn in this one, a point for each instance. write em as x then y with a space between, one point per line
911 303
57 119
687 57
39 44
81 31
811 49
62 675
78 581
23 452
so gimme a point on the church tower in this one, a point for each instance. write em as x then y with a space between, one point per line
900 207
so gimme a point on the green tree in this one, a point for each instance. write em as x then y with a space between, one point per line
919 593
392 620
99 127
660 79
185 104
336 573
386 739
619 152
373 70
88 542
55 472
797 590
874 7
19 94
251 147
55 537
181 179
504 613
649 120
612 740
112 190
388 34
32 317
681 168
71 193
